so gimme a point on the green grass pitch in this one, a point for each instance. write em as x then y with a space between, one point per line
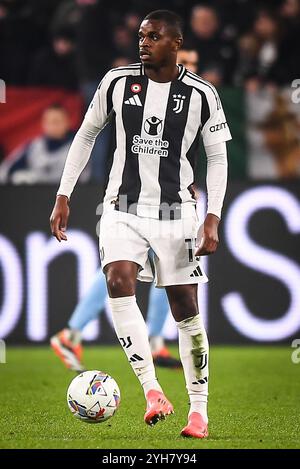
254 402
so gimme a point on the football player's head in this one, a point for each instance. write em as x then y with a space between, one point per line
160 38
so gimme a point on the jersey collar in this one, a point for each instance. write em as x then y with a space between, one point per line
181 70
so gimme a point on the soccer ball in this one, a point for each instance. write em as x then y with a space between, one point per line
93 396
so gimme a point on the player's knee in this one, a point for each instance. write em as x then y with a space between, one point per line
119 285
184 307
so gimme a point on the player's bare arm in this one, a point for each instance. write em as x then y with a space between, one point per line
59 218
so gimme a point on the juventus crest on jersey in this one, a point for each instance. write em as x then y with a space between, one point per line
158 127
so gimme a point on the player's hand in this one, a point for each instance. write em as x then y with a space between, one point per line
210 239
59 218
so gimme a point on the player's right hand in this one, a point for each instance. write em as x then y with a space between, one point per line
210 240
59 218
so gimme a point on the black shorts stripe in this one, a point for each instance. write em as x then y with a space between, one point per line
174 127
132 117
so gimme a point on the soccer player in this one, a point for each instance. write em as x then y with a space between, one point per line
67 343
160 111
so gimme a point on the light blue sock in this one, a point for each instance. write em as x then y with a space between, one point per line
158 309
91 304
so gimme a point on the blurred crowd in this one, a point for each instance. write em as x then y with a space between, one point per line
72 43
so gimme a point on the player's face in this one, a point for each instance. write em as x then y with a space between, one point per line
157 44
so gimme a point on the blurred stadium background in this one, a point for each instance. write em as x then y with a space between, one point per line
52 56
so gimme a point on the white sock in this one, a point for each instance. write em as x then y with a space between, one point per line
200 407
132 333
193 349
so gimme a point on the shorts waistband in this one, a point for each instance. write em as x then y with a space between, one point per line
162 212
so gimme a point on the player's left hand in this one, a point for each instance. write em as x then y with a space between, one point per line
210 239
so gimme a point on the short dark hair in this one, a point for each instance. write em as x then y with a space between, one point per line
172 20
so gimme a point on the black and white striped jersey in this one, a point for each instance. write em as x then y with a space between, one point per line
158 127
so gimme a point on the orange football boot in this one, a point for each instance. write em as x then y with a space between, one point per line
69 349
163 358
158 407
196 427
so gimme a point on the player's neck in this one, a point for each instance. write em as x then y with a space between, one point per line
163 74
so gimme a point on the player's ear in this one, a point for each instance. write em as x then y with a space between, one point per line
178 42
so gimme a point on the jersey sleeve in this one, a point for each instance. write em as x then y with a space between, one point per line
215 129
101 104
216 179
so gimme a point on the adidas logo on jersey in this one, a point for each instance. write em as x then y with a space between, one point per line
197 272
134 100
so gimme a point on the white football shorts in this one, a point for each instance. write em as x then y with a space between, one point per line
124 236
